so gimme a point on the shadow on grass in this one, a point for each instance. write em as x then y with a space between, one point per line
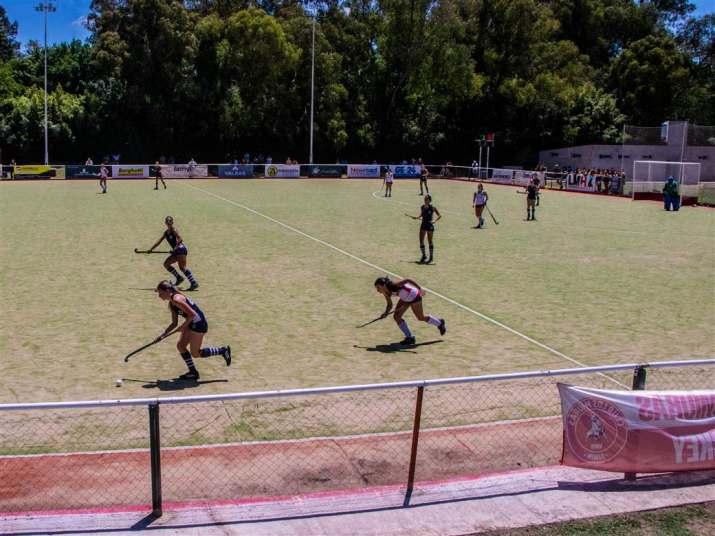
175 384
397 347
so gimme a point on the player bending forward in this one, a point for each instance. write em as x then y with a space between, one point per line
179 252
192 330
410 296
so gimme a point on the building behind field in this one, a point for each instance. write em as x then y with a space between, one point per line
674 141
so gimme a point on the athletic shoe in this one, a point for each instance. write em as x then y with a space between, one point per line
191 375
422 260
193 286
408 341
179 280
442 326
227 356
156 187
429 261
165 187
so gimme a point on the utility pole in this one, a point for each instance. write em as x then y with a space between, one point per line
46 7
312 90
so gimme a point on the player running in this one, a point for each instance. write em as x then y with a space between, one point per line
387 182
103 175
410 296
479 201
179 251
192 330
158 176
427 212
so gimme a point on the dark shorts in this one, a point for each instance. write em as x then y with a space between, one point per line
427 227
181 250
199 327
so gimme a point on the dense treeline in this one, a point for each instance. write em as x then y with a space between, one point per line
394 78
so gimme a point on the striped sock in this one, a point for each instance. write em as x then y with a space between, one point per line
173 272
186 356
189 276
432 320
212 350
404 328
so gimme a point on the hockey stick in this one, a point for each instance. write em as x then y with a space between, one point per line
373 320
492 215
152 343
411 216
148 251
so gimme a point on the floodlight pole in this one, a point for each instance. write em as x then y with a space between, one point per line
46 7
312 91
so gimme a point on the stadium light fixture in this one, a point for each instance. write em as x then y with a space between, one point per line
46 7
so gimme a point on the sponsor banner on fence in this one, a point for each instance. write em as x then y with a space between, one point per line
129 172
522 178
503 176
235 170
638 431
405 171
82 172
184 171
324 170
363 170
282 170
28 171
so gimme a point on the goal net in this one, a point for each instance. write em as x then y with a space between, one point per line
649 177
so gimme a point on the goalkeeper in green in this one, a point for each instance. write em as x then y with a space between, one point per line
671 195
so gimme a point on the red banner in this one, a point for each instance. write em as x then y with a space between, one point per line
638 431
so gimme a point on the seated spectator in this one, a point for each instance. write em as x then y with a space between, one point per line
269 159
89 162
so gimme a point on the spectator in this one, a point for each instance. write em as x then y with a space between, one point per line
162 160
671 194
89 162
269 159
172 160
12 168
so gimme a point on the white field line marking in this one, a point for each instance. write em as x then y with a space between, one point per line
385 271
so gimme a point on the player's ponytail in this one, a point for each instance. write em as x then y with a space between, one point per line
166 285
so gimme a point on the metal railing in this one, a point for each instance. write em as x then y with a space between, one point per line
111 454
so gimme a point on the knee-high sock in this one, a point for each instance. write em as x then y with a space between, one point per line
431 251
212 350
434 321
173 272
422 249
186 356
189 276
406 330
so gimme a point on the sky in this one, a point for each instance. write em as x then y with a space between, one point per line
67 22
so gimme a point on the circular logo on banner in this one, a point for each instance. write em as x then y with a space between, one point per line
596 430
272 171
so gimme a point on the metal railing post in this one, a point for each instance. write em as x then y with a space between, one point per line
155 451
639 376
415 440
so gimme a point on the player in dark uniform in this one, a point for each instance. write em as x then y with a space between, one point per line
158 176
410 296
427 212
532 192
178 255
423 180
192 330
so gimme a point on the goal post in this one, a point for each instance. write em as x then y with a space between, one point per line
649 178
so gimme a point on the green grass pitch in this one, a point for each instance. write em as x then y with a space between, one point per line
595 281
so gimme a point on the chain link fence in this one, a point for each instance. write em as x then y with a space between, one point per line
152 452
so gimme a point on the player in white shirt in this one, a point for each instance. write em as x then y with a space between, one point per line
410 296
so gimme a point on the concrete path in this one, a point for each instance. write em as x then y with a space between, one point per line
505 500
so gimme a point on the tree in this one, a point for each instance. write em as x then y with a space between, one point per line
8 33
648 78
